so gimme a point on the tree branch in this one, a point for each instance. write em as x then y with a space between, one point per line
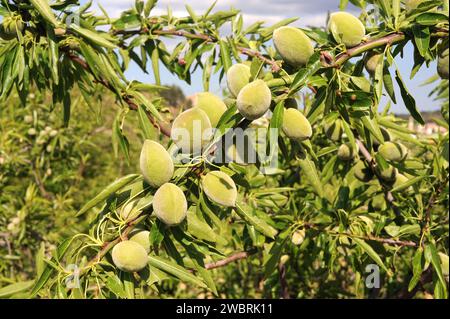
369 45
107 246
207 38
229 259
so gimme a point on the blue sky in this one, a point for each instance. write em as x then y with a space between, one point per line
310 13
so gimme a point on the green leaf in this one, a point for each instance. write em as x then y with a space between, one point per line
372 253
225 54
409 183
310 172
417 268
421 39
48 271
15 288
46 11
144 122
155 65
388 83
114 284
431 18
436 262
259 224
108 191
94 37
274 254
120 139
303 75
410 103
201 230
175 270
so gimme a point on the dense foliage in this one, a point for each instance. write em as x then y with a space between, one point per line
95 201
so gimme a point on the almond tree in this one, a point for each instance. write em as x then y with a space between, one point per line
353 186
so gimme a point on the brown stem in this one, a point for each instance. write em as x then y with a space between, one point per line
107 246
229 259
207 38
366 46
274 65
185 34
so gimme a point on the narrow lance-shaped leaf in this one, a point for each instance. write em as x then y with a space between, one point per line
48 271
410 103
225 54
259 224
146 127
310 172
372 253
175 270
421 39
108 191
45 10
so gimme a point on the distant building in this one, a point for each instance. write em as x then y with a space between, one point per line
430 128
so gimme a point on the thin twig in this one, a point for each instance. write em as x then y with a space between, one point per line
227 260
207 38
369 45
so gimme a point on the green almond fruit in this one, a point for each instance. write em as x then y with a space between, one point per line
238 76
371 61
220 188
346 152
395 152
378 203
129 211
156 164
293 45
386 136
388 174
169 204
191 130
442 65
254 100
401 179
334 130
295 125
362 172
346 29
129 256
298 237
211 104
142 237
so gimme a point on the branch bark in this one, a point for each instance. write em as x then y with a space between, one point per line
228 260
369 45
